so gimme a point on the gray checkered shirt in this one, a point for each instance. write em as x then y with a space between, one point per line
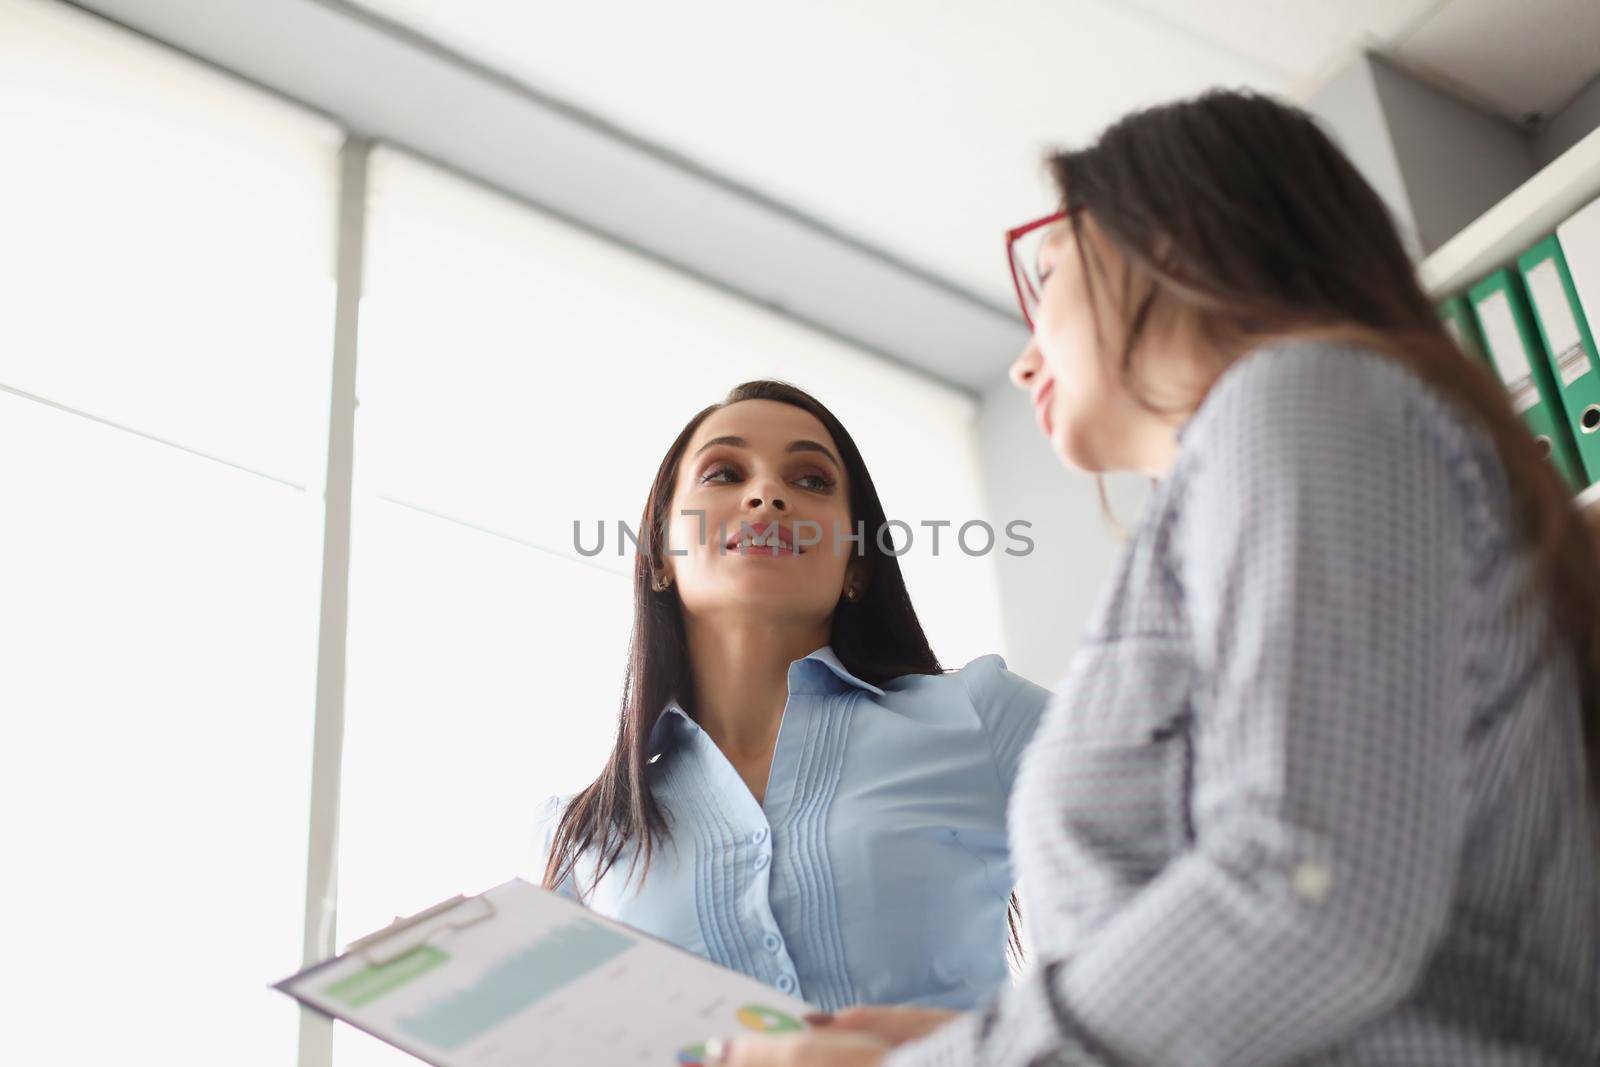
1312 789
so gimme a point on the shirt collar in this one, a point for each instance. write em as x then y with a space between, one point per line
830 659
823 662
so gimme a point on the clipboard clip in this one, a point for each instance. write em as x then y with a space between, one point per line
366 947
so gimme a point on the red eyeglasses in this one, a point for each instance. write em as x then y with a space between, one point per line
1022 248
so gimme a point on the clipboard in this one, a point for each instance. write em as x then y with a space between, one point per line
519 975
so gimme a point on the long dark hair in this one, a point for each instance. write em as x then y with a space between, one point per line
1240 211
877 637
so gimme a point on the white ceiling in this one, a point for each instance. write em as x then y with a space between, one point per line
914 125
917 126
1516 57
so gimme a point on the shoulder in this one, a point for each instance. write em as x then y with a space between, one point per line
988 677
1276 387
984 687
1317 408
1285 391
547 818
1340 442
997 692
980 672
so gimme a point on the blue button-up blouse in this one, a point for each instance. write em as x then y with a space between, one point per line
875 871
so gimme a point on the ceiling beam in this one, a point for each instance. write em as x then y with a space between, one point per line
382 81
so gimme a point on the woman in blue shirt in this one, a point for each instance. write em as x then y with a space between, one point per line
797 791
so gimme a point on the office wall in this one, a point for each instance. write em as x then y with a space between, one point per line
1045 596
1572 124
1456 161
1437 161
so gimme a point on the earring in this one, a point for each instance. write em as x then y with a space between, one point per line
850 593
660 583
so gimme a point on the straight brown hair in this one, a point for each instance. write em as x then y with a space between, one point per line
1240 212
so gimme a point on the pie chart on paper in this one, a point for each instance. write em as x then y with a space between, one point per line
765 1020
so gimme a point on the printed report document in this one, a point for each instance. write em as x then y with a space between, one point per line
521 975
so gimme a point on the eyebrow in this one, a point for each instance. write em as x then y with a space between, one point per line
802 445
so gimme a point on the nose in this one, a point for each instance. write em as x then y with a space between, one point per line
1026 366
765 494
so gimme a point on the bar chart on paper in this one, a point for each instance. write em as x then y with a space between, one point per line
510 985
539 979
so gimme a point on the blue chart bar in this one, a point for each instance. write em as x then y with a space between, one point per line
524 977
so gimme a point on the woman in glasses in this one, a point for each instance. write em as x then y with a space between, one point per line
797 791
1319 788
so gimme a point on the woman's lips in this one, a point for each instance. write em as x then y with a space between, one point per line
763 539
1041 407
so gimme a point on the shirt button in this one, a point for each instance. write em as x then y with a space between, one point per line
786 983
759 836
772 942
1312 882
761 862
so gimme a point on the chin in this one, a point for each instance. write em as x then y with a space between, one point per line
772 589
1075 453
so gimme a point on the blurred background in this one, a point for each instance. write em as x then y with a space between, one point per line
322 323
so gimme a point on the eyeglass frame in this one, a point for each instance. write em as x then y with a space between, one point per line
1015 234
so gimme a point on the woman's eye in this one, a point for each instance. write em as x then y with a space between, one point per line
715 475
818 482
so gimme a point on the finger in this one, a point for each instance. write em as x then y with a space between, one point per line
818 1018
866 1019
762 1052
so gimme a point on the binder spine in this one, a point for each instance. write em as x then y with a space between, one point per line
1456 316
1567 345
1513 344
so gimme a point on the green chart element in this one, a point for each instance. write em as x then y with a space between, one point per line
513 983
765 1020
364 987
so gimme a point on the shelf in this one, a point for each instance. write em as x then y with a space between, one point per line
1511 227
1497 237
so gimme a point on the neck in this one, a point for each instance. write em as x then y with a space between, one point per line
1191 372
1189 361
741 677
1159 448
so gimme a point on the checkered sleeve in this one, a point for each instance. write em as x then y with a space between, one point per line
1314 547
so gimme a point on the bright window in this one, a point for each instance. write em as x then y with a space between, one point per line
165 255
